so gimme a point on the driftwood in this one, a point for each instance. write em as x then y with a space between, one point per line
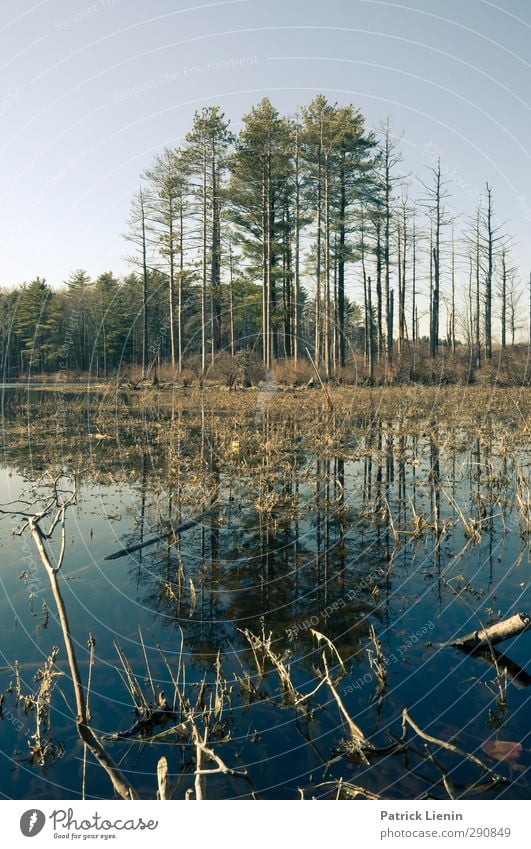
488 637
130 549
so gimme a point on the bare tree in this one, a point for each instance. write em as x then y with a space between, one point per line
390 158
137 234
434 203
505 284
491 239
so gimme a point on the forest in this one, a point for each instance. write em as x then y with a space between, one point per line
276 593
298 237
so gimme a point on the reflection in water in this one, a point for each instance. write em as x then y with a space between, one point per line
328 523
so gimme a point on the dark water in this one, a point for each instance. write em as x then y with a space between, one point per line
296 537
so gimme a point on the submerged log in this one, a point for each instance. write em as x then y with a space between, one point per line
130 549
494 633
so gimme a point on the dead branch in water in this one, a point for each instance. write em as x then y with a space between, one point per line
351 791
358 743
378 665
494 634
130 549
57 505
406 720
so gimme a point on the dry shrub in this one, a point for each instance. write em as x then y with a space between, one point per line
290 375
506 369
245 369
166 373
131 373
185 377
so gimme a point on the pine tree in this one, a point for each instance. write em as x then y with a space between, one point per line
138 235
206 156
78 317
260 167
36 326
167 187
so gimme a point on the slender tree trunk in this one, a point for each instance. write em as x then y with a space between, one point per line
204 270
387 257
341 267
216 257
180 288
391 311
434 340
381 351
372 340
489 276
529 334
269 282
144 289
403 323
171 287
318 271
471 307
431 289
366 302
413 285
504 299
265 334
335 317
231 301
296 277
327 352
287 283
478 292
452 313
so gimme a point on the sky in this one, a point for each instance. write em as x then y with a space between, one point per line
90 91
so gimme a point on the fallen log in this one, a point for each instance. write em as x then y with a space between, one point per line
130 549
493 634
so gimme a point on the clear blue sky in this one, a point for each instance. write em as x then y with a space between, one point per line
90 90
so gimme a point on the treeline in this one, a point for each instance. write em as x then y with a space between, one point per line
256 241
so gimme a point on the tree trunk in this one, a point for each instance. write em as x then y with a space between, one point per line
204 271
216 258
488 280
341 270
172 286
504 301
144 290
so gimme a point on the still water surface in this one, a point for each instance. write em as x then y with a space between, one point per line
296 536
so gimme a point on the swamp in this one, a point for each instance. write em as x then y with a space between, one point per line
254 594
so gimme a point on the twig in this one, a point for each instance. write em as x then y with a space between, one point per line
352 790
406 719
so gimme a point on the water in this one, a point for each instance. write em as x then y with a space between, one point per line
295 538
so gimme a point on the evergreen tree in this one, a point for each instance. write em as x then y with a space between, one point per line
206 156
77 316
260 169
36 326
